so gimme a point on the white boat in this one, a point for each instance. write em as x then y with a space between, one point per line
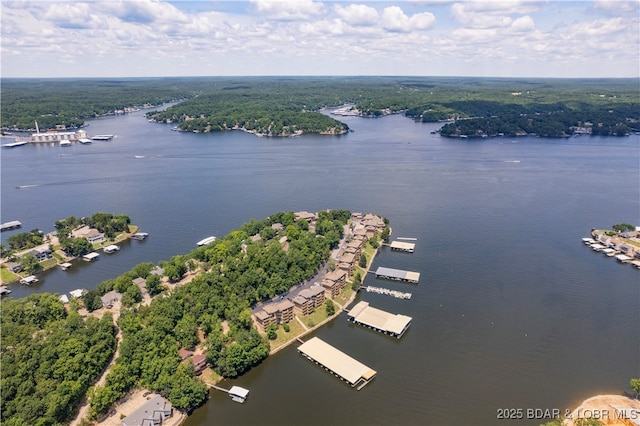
206 241
111 249
65 142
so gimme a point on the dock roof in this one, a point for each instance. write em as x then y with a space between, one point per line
377 318
398 274
335 360
400 245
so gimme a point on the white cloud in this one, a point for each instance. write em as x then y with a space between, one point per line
357 14
288 10
523 24
618 7
395 20
599 27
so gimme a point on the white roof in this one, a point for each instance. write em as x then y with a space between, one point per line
91 255
622 257
77 293
206 241
64 298
382 320
336 360
400 245
238 391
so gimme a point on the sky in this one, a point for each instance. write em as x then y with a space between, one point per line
153 38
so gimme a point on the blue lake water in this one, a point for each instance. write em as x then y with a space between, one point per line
512 310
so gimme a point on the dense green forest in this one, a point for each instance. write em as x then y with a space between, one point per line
281 106
49 359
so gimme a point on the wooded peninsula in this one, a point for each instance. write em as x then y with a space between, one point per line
288 106
52 354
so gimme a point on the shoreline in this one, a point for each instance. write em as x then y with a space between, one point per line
610 410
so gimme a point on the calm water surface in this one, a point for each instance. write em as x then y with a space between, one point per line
512 311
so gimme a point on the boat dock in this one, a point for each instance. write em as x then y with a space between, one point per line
397 275
111 248
376 319
102 137
14 224
140 236
66 265
402 246
337 362
31 279
91 256
14 144
237 393
4 290
394 293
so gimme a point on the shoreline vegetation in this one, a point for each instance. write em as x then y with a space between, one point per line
33 252
292 106
199 302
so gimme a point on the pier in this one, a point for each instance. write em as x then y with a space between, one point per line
337 362
102 137
381 290
397 275
376 319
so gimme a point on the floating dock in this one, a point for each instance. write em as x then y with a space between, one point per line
111 248
385 322
397 275
4 290
65 266
14 144
402 246
14 224
394 293
140 236
102 137
31 279
337 362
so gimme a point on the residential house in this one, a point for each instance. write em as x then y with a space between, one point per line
42 253
153 412
110 298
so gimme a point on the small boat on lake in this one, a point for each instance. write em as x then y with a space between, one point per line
206 241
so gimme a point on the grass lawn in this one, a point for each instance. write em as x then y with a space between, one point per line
295 329
8 276
49 263
344 295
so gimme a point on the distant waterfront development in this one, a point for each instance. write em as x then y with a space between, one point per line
467 220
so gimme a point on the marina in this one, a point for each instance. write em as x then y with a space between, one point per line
397 275
381 290
376 319
402 246
337 362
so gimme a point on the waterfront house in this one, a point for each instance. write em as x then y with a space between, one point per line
152 413
348 259
41 253
199 363
14 267
90 234
110 298
309 217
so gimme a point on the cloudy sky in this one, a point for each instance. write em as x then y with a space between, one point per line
136 38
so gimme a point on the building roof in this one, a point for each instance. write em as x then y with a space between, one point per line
335 275
399 245
398 274
263 315
335 360
311 292
140 282
156 408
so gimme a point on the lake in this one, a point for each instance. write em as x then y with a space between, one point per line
512 310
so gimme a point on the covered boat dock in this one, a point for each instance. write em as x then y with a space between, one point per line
402 246
385 322
397 275
337 362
